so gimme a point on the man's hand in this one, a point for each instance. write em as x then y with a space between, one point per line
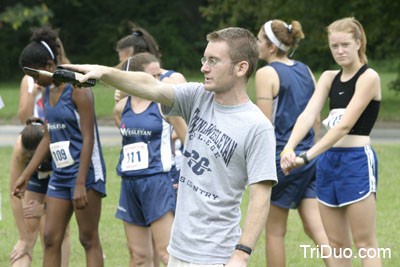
239 259
89 71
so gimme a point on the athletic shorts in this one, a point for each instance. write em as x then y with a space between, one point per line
174 174
346 175
64 188
146 199
38 185
291 189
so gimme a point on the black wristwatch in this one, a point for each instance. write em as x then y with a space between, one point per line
243 248
303 155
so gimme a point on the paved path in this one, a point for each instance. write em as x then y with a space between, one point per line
109 135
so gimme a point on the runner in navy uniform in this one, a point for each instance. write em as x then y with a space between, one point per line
77 183
147 199
284 88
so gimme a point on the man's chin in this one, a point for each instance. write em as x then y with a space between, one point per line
208 87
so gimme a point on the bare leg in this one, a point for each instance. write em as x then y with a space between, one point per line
32 226
139 244
88 223
161 230
59 212
24 261
156 257
362 217
65 248
275 232
337 228
312 223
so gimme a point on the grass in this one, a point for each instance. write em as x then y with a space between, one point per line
113 237
104 98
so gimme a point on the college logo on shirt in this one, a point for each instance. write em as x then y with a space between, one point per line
55 126
134 131
197 164
221 144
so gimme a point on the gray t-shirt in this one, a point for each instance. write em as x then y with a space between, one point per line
226 148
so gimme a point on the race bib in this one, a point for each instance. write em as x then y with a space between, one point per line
136 157
61 155
334 118
44 175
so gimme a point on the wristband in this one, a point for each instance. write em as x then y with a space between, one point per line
303 155
243 248
286 150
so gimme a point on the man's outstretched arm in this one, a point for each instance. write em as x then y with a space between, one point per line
139 84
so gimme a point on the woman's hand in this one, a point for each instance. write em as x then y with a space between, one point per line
288 158
20 187
33 209
20 249
80 197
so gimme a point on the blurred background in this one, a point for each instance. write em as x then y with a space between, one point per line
90 29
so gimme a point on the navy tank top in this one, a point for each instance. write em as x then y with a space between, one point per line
63 123
296 89
146 142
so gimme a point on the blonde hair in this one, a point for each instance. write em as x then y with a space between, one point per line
287 35
353 26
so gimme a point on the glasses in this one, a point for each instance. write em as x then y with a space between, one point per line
211 61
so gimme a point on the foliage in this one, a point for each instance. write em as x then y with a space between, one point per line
19 14
90 29
314 16
395 85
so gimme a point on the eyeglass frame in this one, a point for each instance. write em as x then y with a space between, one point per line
212 61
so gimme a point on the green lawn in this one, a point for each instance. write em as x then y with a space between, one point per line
113 237
104 98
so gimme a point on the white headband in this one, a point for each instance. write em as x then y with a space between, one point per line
271 36
48 49
128 62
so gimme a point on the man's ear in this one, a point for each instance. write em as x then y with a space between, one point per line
242 68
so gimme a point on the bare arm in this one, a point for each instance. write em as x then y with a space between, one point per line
17 166
26 238
139 84
179 125
41 153
317 123
367 88
307 119
177 122
254 223
117 111
27 99
267 87
83 99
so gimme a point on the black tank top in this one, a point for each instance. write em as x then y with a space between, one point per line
340 95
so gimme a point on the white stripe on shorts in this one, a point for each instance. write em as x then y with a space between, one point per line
371 167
